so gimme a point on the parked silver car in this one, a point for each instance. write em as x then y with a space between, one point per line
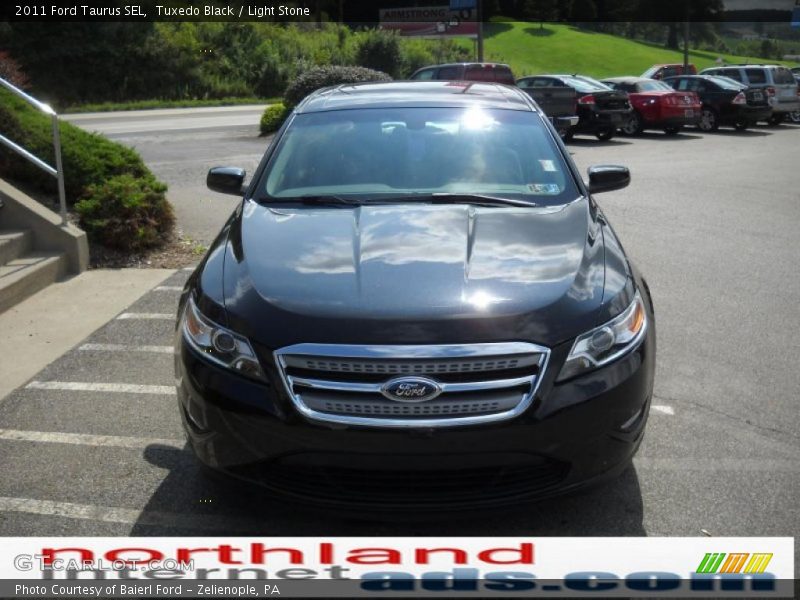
778 81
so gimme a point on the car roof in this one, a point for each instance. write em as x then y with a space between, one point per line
687 76
627 79
747 66
417 94
465 64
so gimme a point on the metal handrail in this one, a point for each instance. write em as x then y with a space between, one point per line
58 171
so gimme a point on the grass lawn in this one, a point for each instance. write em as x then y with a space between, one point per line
565 49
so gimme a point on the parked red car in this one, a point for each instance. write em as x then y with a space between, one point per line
656 105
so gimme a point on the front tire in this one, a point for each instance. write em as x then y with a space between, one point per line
604 134
776 120
708 120
634 125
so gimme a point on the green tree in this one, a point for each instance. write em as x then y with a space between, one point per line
540 10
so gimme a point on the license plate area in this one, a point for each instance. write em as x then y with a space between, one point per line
689 112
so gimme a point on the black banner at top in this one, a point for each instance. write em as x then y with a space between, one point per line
369 11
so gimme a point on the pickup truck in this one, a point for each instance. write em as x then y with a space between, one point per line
559 103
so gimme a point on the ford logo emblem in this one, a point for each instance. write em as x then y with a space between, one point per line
411 389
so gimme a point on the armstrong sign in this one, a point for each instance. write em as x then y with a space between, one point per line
430 21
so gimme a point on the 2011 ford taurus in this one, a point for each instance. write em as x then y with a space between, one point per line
418 303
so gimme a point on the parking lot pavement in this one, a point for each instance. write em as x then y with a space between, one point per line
93 445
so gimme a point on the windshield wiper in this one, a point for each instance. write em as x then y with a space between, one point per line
476 199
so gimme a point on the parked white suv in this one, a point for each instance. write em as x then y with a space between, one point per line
778 82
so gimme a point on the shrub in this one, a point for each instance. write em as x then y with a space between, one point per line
87 158
127 212
119 201
320 77
380 50
273 117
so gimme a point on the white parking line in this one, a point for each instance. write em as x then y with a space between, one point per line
128 516
126 348
169 316
124 388
84 439
664 410
168 288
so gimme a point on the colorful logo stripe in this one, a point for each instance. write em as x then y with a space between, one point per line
713 562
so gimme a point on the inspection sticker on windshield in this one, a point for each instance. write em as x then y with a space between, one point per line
548 165
544 188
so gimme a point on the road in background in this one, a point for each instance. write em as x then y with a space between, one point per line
180 145
711 220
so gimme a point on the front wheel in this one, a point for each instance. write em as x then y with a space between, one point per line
605 134
794 117
672 129
634 125
776 119
708 120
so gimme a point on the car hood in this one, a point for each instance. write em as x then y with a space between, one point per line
413 274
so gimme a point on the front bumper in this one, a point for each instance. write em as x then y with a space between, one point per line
574 434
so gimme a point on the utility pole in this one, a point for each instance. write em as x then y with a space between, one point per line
479 10
686 39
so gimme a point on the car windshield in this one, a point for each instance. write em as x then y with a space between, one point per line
727 83
653 86
585 85
372 154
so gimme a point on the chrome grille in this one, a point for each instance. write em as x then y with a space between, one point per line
480 382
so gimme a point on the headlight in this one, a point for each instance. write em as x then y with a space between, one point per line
608 342
217 344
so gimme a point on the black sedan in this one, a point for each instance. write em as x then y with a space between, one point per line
724 101
602 110
418 303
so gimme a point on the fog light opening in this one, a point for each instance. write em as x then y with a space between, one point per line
628 425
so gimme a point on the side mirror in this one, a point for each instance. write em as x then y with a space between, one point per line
607 178
226 180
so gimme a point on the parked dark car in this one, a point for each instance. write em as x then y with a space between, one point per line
775 81
725 102
656 105
418 303
669 70
486 72
601 109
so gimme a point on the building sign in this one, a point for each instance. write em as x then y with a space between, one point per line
430 21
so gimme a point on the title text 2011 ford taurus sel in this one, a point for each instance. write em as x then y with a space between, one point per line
417 303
